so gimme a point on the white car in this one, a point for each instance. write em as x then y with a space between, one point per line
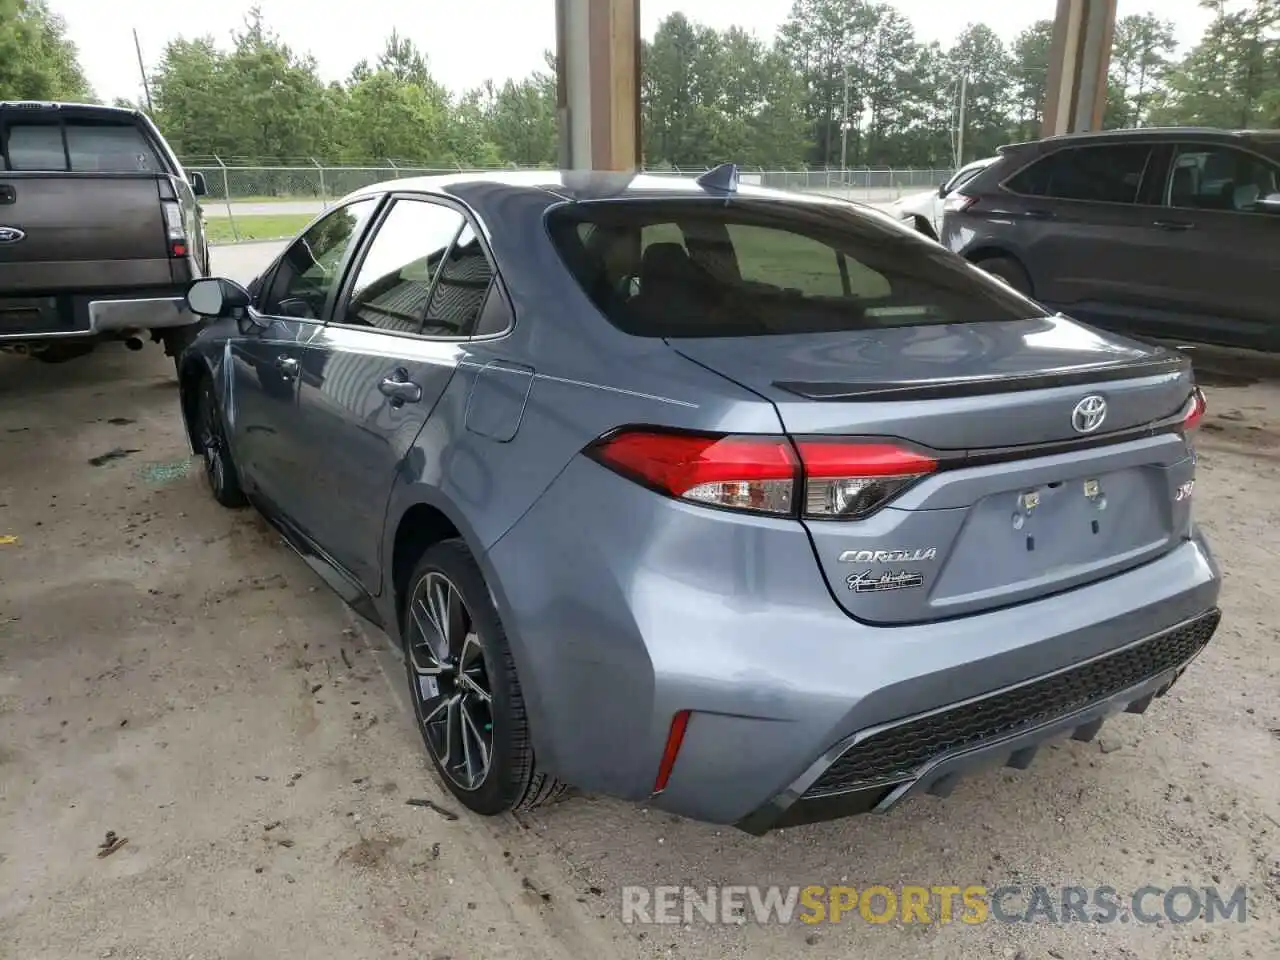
924 210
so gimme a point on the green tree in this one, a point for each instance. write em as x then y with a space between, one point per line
828 43
37 61
680 90
1228 79
981 57
190 91
1030 75
1141 57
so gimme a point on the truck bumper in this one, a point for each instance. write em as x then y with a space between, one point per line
146 314
92 317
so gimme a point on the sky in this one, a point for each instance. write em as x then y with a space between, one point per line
470 41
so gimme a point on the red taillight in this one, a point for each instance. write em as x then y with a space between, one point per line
843 479
958 203
675 737
1195 411
847 480
745 473
178 248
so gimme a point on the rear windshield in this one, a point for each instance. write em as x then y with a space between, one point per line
711 268
37 144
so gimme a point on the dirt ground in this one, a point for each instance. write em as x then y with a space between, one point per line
170 672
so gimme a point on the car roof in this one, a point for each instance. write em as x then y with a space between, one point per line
1140 134
483 187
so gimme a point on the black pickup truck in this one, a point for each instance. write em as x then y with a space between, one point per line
100 232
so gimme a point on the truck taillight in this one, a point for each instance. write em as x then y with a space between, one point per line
175 229
1196 407
841 479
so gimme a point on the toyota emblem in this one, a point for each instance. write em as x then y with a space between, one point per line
1089 414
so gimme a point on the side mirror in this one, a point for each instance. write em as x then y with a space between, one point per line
198 186
216 297
1269 204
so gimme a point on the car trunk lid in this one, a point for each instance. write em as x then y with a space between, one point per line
1027 495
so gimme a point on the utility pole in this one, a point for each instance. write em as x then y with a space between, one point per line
142 71
844 124
964 91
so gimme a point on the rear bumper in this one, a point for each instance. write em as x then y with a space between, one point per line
145 314
623 608
88 317
831 787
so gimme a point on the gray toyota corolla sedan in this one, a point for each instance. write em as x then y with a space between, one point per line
755 506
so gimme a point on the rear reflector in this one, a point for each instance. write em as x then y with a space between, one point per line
1195 411
679 724
842 479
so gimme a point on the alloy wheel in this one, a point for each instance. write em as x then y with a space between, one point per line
451 686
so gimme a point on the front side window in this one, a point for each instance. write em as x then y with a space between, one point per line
1108 173
308 270
1219 178
393 283
707 268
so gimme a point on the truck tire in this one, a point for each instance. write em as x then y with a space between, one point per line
177 339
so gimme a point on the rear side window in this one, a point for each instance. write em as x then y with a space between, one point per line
1110 173
1220 178
707 268
460 290
90 146
394 281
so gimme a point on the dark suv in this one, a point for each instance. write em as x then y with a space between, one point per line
1166 232
100 231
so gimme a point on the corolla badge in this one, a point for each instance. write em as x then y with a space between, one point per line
1089 414
11 235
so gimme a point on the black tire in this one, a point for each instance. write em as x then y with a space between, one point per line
1010 271
219 468
175 341
510 779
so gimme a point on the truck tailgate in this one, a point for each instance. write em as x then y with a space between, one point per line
82 231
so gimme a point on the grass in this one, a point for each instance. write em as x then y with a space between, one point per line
267 226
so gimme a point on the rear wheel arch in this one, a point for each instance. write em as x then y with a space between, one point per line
190 373
419 528
994 258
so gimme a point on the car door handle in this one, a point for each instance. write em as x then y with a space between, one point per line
288 367
1174 225
399 389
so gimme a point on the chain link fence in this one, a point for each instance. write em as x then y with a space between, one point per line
260 201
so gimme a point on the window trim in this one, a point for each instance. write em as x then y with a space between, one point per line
269 280
371 235
1176 145
1152 151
